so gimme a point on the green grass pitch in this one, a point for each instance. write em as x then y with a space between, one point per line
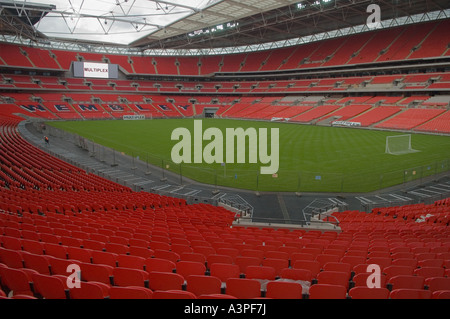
312 158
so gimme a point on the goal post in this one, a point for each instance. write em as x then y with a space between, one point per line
399 144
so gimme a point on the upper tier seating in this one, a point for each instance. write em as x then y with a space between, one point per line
416 41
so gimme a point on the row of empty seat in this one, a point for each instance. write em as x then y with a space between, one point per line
404 82
416 41
219 262
368 111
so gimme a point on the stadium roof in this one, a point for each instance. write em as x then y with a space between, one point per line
207 26
105 21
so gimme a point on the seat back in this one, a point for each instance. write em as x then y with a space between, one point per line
284 290
410 294
243 288
327 291
203 285
368 293
165 281
130 293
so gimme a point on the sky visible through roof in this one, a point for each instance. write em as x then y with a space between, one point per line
114 21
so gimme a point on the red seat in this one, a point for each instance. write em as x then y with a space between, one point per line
117 248
125 277
431 263
383 262
72 242
203 285
130 293
180 248
437 283
284 290
99 273
58 266
173 294
410 262
338 266
156 245
255 253
50 287
141 252
312 266
428 272
165 281
129 261
277 264
136 242
217 296
368 293
301 256
197 257
104 258
90 290
296 274
50 238
327 258
119 241
261 272
186 268
17 280
243 288
327 291
243 262
204 250
406 282
80 234
93 244
232 252
353 260
224 271
169 255
40 263
12 243
160 265
333 278
24 297
311 250
410 294
55 250
99 238
11 258
395 270
441 294
221 259
81 254
34 247
276 255
360 280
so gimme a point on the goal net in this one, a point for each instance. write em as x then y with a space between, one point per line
399 145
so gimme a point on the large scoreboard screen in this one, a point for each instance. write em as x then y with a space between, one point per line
95 70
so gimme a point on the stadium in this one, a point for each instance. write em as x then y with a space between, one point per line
225 150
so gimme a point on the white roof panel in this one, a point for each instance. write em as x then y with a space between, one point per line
223 12
114 21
